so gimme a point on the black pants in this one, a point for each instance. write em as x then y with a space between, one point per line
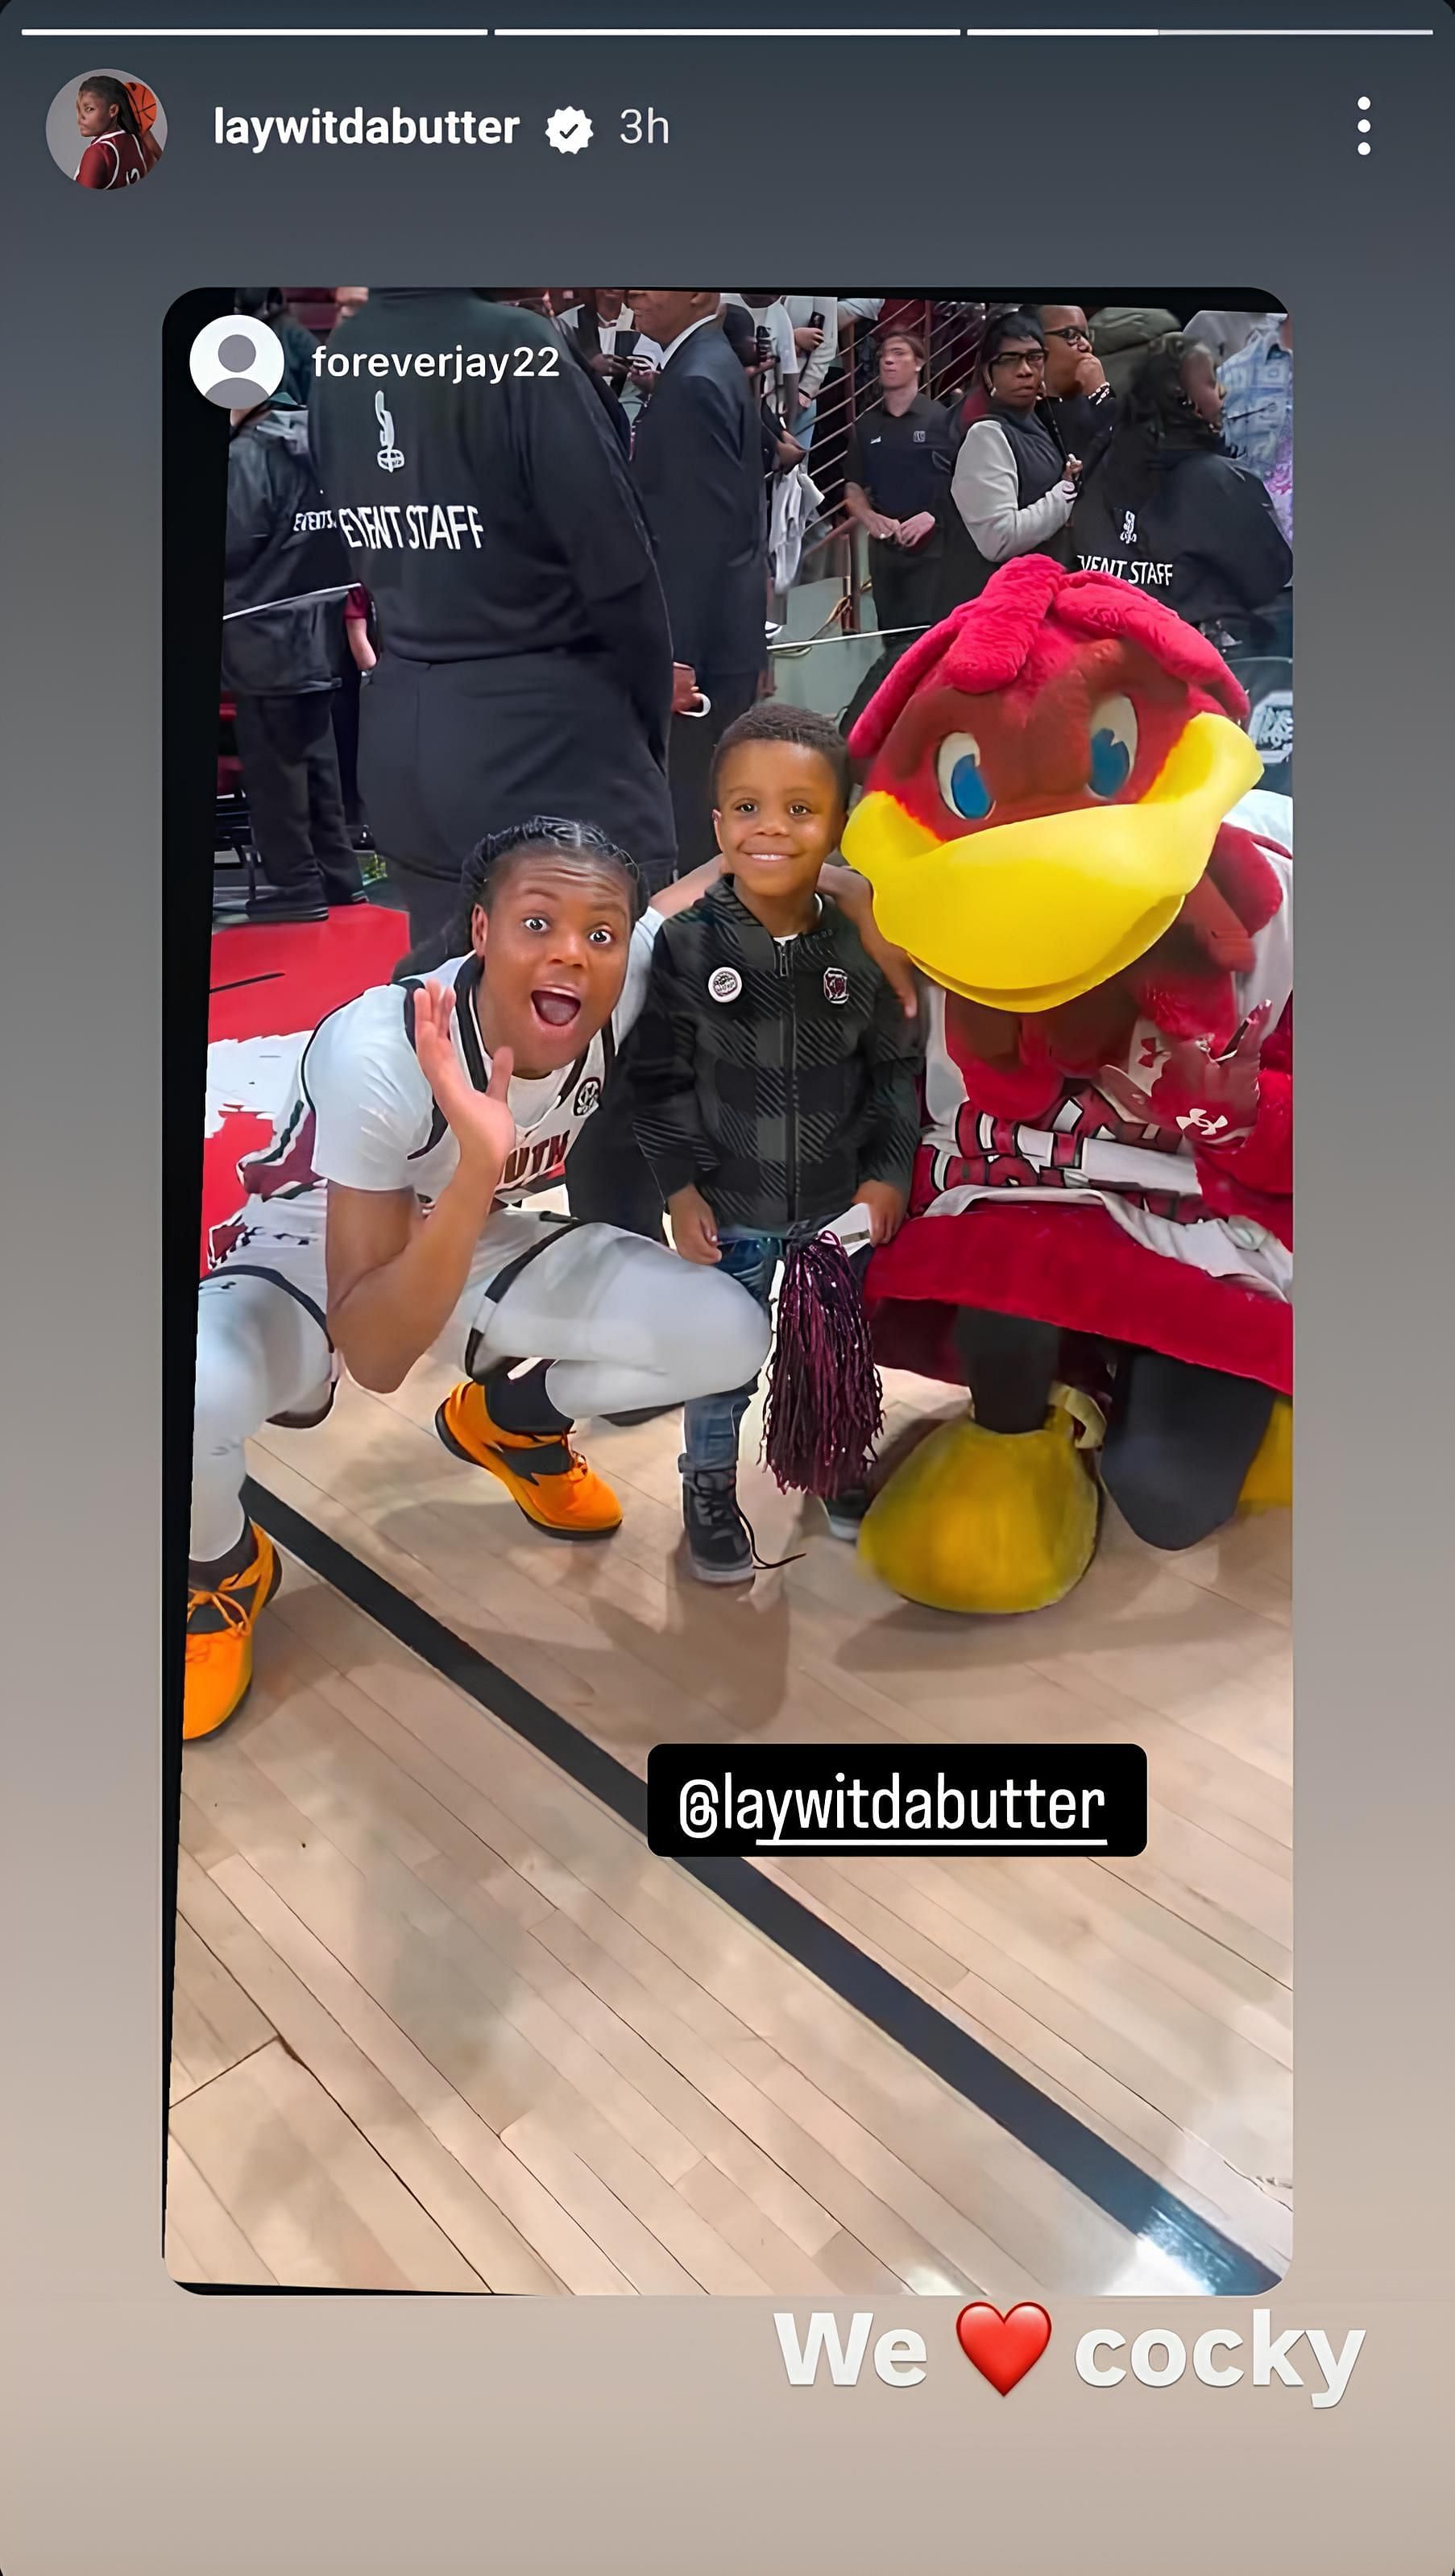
909 591
608 1179
1180 1440
295 806
449 751
431 901
908 586
346 742
689 763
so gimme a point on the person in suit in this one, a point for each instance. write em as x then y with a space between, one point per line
698 467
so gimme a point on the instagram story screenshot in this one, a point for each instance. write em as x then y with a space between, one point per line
724 1824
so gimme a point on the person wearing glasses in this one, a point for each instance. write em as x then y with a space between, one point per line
1079 403
1014 481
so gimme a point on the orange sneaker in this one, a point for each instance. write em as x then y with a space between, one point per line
554 1487
220 1640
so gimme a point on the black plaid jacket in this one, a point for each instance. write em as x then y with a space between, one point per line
775 1079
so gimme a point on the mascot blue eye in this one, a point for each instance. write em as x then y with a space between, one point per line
961 780
1113 746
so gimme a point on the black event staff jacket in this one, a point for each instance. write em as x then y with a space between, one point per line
697 462
1199 534
285 575
904 463
482 497
773 1075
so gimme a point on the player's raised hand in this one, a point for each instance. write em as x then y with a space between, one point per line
480 1121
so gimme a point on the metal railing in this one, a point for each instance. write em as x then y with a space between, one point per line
952 332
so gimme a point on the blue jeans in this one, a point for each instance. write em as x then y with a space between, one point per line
711 1423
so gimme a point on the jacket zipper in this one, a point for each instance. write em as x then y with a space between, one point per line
785 967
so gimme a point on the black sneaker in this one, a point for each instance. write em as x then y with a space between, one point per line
845 1513
719 1540
273 904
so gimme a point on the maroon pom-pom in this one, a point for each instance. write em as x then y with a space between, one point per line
825 1405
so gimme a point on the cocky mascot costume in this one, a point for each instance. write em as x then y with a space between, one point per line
1059 826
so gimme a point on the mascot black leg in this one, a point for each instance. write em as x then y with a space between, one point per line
1010 1366
1180 1443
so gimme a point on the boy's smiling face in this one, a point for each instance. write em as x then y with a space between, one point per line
779 816
554 943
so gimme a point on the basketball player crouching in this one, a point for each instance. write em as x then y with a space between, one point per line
383 1219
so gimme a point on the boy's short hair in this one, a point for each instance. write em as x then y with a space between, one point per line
771 721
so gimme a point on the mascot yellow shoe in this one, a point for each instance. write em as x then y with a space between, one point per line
990 1521
1268 1485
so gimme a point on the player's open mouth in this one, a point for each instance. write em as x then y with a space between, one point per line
553 1004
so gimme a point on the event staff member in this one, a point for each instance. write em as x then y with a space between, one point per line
284 588
698 465
1162 503
524 659
901 454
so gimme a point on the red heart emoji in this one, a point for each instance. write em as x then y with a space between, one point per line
1003 2348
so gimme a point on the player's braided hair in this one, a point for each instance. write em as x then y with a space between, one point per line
113 93
491 862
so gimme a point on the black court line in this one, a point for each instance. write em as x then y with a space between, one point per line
1097 2170
274 978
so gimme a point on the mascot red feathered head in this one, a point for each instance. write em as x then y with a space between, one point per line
1049 773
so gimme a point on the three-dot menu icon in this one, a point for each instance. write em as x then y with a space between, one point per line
1365 129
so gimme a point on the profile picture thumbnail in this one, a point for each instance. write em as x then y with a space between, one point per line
106 130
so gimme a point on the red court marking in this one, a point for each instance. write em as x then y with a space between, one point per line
312 967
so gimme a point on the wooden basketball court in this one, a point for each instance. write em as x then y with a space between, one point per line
442 2022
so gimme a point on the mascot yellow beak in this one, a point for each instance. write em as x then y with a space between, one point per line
1026 916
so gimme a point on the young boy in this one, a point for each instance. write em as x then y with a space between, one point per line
381 1220
775 1074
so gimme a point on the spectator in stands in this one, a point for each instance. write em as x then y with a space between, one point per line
1014 483
778 354
698 468
603 327
1163 503
1257 386
1079 404
779 449
284 585
267 304
901 453
815 324
599 331
1224 333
